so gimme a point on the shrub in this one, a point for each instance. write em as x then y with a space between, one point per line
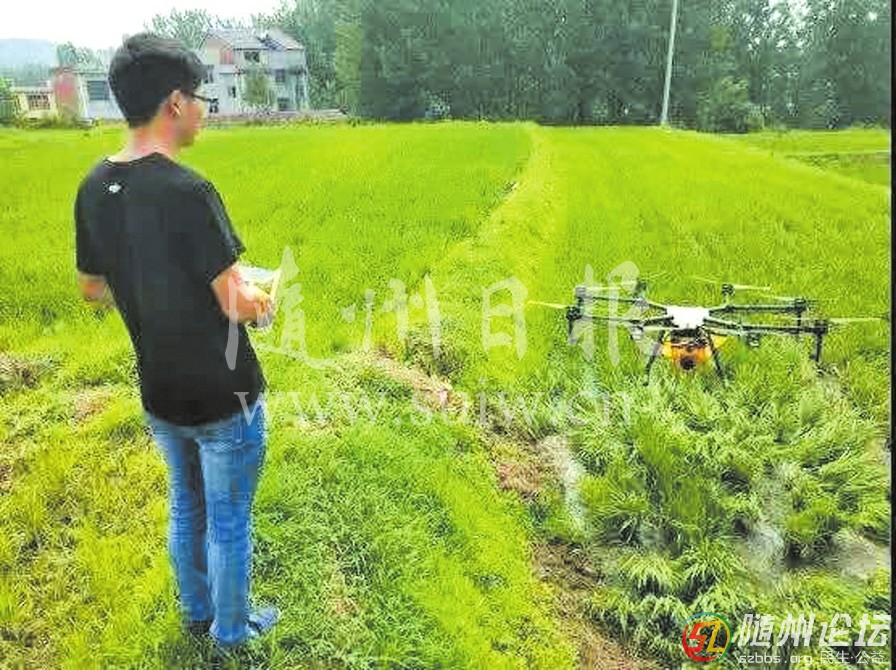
54 122
755 119
8 106
725 106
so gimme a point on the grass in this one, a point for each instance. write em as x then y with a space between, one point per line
858 153
386 539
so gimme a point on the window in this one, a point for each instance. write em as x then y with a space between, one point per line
253 57
280 76
97 89
38 101
282 104
231 91
209 74
213 106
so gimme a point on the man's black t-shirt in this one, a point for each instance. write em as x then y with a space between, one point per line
158 232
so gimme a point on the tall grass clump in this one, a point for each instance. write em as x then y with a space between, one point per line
715 495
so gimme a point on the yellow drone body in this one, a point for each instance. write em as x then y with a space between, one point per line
688 353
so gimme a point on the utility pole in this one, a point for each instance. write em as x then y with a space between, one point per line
664 117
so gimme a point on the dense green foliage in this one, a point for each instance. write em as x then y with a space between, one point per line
387 540
738 64
190 26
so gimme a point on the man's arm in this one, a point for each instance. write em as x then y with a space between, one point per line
240 302
95 290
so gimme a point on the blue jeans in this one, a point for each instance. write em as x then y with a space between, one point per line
213 473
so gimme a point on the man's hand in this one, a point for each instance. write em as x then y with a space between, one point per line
266 307
96 291
242 302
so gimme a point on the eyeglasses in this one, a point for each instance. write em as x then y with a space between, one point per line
200 97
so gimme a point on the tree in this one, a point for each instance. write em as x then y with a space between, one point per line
737 63
845 77
28 74
313 24
257 92
347 55
70 55
67 54
190 26
725 106
859 58
8 105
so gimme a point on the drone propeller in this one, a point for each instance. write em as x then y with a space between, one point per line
637 284
625 285
793 299
552 305
855 319
644 280
736 287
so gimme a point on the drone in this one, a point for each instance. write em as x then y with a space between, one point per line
690 336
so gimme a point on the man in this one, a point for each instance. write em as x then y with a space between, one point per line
153 239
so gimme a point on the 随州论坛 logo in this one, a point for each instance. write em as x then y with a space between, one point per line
706 637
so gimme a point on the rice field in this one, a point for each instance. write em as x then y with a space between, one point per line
420 464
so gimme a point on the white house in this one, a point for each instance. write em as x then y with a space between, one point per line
34 102
86 92
70 92
230 55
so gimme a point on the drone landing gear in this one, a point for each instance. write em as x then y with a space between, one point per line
821 329
715 354
657 346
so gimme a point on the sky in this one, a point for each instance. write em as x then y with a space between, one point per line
100 24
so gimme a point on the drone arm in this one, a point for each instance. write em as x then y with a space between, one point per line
663 320
736 328
628 301
797 308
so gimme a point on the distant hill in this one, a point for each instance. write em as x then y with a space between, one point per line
17 52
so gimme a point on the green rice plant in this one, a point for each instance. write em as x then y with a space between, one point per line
618 505
858 153
839 436
651 573
613 606
650 624
709 563
855 480
810 528
389 543
875 520
806 593
727 598
745 512
878 591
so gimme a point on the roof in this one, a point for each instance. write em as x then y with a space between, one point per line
30 89
80 70
271 39
283 40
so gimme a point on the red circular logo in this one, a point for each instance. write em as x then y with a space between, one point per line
706 637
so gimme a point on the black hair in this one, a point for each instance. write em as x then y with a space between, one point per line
144 71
